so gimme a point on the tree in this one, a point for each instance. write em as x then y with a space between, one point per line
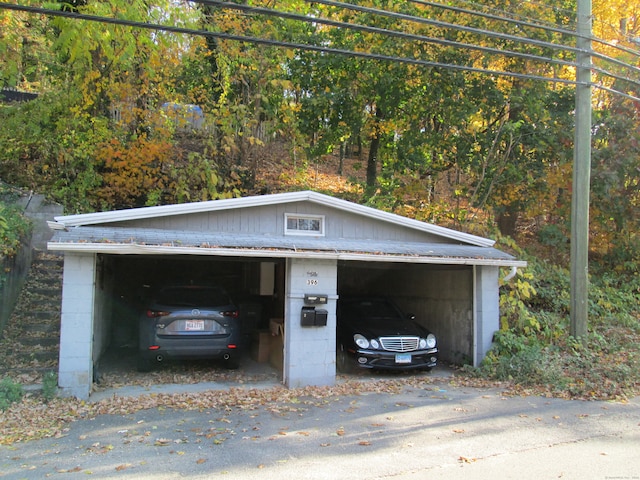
616 180
24 45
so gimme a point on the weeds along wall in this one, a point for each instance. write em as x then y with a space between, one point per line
13 272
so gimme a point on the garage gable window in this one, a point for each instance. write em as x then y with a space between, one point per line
303 224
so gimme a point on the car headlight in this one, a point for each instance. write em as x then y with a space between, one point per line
423 343
431 340
361 341
374 343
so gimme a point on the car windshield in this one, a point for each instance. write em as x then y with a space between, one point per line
193 297
371 309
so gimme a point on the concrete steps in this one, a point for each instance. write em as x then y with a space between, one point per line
29 345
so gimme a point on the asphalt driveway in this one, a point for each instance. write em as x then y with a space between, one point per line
430 430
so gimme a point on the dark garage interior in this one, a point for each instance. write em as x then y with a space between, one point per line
124 284
431 292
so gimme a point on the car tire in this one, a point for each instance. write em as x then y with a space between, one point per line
145 364
232 363
344 363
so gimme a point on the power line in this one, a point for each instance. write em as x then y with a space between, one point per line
297 46
276 43
524 23
536 4
452 26
500 18
381 31
407 36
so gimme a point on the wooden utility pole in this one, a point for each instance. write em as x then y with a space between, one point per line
581 177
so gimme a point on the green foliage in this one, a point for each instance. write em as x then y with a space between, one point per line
529 365
14 229
49 386
198 178
10 392
553 235
28 142
613 300
533 345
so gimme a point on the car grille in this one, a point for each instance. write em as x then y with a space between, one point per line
399 344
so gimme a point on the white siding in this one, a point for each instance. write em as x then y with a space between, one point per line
269 220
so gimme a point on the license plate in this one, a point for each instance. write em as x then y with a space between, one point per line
403 358
193 325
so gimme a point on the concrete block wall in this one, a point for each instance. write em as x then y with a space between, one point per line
75 370
310 352
487 309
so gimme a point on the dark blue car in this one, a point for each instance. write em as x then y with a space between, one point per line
189 322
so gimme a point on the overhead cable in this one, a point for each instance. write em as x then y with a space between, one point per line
453 26
407 36
523 23
380 31
297 46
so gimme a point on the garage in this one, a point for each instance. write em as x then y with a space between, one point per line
283 257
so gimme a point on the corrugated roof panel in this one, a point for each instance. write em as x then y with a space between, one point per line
170 238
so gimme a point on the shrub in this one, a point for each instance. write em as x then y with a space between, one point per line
10 392
49 386
533 365
14 228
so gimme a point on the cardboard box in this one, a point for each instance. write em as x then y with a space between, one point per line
261 346
276 326
276 352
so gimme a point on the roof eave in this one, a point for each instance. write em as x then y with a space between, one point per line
137 249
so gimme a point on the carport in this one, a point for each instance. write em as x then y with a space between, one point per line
279 254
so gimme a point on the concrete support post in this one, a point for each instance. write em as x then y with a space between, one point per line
310 352
487 310
75 370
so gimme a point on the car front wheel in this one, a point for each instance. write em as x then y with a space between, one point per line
344 362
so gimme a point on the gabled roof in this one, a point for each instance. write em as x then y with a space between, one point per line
261 200
94 233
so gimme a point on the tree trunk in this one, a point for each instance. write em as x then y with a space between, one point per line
374 146
507 222
372 162
343 148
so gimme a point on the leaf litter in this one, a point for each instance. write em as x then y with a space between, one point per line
34 418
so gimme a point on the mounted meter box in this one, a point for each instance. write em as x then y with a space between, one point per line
312 317
316 299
